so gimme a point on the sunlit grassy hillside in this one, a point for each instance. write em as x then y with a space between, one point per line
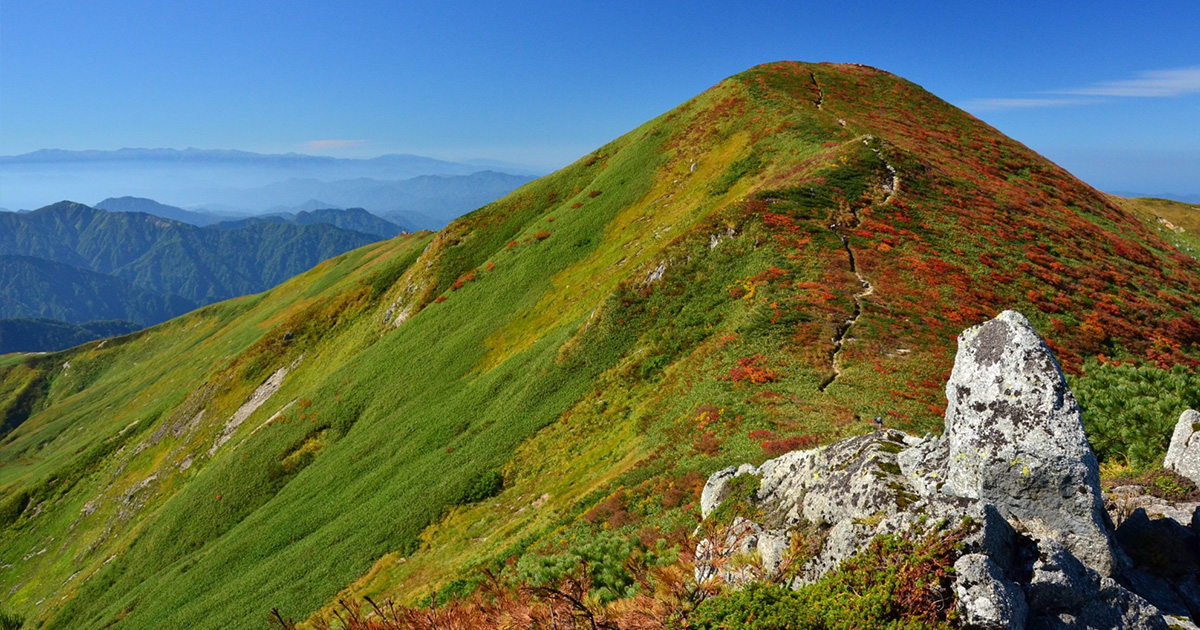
1177 222
766 267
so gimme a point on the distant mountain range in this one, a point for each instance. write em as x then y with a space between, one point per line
1194 199
40 288
150 206
391 165
49 335
427 202
74 264
236 180
424 202
355 219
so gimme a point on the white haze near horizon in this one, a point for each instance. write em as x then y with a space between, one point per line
217 188
214 187
29 187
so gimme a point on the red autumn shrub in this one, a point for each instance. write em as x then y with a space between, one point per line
707 444
775 448
750 369
762 434
612 511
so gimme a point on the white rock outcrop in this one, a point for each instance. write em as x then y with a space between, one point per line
1014 437
1013 461
1184 454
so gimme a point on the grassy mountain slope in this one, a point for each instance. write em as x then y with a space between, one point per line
760 269
1177 222
38 288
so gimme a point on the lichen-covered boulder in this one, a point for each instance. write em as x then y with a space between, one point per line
838 487
1184 454
987 600
856 478
717 485
1013 469
1015 439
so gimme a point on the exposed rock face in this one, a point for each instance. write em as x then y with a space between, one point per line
1166 562
1013 461
1015 439
989 600
1184 454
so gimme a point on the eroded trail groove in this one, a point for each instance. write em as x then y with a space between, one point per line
820 103
842 331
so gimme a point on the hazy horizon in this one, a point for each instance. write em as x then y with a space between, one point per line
216 180
1109 95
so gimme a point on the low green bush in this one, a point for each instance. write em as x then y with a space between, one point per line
1130 411
901 582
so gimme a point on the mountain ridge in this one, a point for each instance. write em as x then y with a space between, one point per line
170 256
353 219
152 207
39 288
551 377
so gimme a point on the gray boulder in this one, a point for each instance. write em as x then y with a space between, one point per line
986 600
1015 439
1060 582
1013 465
837 487
1184 454
856 478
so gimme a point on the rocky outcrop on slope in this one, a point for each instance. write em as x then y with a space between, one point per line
1184 454
1013 465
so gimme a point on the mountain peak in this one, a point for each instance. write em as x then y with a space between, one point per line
552 376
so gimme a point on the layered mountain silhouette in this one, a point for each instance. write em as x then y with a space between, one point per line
353 219
201 265
39 288
419 192
150 206
549 379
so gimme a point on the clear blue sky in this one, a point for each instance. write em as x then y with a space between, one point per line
1111 90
